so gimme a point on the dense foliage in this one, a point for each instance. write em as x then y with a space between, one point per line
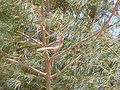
98 67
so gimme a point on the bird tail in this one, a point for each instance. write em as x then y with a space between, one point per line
44 48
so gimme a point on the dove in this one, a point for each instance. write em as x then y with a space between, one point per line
56 45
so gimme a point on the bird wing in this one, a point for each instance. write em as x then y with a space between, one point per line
46 48
53 44
43 48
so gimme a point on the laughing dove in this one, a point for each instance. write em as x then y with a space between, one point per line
56 45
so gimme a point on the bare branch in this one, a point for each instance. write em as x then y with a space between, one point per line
54 57
24 65
50 35
13 41
31 38
113 13
113 51
66 67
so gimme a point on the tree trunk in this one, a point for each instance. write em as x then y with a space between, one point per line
46 41
48 71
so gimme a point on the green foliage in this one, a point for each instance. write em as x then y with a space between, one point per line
98 68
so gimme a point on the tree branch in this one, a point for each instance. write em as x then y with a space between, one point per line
66 67
45 54
113 13
55 56
31 38
113 51
24 65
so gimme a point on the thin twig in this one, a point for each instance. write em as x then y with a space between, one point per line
50 35
113 24
36 33
66 67
113 51
24 65
54 57
13 41
39 42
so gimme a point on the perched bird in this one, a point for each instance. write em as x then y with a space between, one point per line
54 45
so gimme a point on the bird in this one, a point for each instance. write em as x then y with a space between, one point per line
56 45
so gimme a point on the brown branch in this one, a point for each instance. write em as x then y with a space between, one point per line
39 42
13 41
113 24
113 51
66 67
113 13
50 35
54 57
46 54
24 65
36 33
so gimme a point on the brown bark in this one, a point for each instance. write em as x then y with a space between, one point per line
24 65
47 70
46 53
